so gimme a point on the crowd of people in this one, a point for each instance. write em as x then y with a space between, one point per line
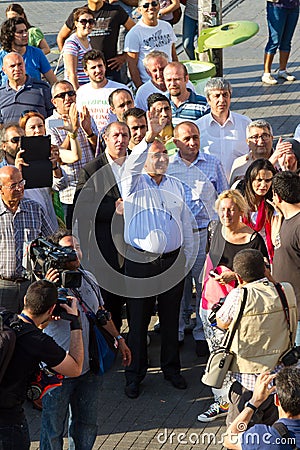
161 192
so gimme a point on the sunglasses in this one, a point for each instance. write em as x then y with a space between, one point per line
146 5
63 94
14 140
84 22
26 111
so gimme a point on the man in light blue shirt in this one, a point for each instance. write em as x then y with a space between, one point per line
158 231
204 179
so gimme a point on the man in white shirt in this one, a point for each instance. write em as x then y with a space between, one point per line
154 63
94 95
223 132
147 35
158 231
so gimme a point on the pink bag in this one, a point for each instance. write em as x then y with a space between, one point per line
212 290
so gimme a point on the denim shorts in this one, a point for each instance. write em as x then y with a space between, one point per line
281 24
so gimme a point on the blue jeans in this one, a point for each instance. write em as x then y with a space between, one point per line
81 396
281 23
189 31
195 272
14 437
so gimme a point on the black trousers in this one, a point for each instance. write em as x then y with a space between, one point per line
140 311
114 303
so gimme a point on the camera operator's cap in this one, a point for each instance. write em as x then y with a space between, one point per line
295 147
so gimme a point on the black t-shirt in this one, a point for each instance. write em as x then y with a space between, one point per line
223 252
31 348
105 34
230 250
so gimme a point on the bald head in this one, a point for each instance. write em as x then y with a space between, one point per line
11 187
187 139
14 68
7 172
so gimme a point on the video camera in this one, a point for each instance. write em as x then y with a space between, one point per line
45 255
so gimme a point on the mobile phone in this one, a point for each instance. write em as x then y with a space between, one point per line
55 123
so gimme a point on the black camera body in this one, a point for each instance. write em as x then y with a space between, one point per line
102 317
291 357
45 255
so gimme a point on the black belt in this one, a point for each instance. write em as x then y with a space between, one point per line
14 279
195 230
160 255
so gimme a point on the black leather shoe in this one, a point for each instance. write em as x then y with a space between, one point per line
132 390
202 348
177 380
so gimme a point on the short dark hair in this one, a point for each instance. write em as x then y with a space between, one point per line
249 265
60 234
134 112
287 186
40 296
117 91
8 30
93 55
156 97
288 390
111 124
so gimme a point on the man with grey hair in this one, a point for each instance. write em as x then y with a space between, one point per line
223 132
154 63
147 35
21 221
260 142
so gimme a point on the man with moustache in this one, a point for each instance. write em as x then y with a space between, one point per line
136 120
21 221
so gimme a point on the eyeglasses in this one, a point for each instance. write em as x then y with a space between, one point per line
15 186
256 137
14 140
21 32
84 22
146 5
260 180
63 94
26 111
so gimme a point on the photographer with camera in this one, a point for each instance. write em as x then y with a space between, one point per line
82 394
265 333
31 347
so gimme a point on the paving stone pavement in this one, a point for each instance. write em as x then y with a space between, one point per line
163 417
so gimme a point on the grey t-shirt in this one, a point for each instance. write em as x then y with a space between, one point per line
60 330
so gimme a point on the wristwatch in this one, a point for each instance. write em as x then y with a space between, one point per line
249 405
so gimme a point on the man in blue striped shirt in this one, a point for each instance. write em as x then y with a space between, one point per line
185 104
203 178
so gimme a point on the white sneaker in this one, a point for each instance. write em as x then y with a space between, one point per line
268 79
214 412
286 75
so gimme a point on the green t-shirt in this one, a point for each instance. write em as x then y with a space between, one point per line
35 35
